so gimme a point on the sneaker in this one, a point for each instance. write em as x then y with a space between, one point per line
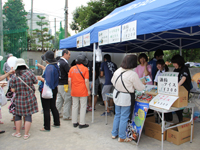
108 114
83 126
89 109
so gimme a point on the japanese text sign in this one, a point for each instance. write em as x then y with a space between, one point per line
103 37
163 101
114 34
168 83
129 31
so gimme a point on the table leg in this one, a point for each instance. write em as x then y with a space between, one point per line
192 124
106 115
163 126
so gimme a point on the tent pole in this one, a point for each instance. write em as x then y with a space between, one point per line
93 80
180 47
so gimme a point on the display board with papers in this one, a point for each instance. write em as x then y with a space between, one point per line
103 37
79 42
168 83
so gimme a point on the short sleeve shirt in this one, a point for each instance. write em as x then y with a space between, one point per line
78 87
108 68
184 72
90 68
140 71
159 73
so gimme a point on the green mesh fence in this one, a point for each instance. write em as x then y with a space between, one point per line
15 42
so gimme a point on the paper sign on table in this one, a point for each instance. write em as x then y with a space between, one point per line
168 83
163 101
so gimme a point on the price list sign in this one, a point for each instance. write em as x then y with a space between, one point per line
103 37
79 42
129 31
115 34
86 39
168 84
163 101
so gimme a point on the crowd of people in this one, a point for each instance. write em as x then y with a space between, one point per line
71 85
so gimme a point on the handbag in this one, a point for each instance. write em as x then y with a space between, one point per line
66 87
47 92
3 100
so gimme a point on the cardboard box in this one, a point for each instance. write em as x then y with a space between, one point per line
180 134
182 101
153 129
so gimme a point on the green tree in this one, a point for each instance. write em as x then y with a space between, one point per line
15 27
42 34
85 16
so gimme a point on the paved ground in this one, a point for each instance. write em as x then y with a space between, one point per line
97 136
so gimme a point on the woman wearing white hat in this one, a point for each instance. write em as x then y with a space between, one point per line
25 99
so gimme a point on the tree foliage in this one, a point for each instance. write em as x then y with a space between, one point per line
85 16
15 27
41 35
15 15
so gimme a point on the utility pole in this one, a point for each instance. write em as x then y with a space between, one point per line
31 16
1 28
66 18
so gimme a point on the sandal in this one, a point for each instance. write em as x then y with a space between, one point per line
27 136
114 137
125 140
23 128
18 135
44 130
1 122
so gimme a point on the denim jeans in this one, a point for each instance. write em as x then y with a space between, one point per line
120 121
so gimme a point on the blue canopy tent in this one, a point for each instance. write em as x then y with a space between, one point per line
171 24
161 24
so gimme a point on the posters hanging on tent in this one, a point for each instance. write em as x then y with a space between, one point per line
103 37
86 40
79 42
135 126
129 31
114 34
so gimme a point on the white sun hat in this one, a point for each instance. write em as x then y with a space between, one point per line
20 62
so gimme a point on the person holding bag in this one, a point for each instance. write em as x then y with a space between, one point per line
125 81
51 79
78 80
25 99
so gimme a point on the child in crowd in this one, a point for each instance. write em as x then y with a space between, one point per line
161 68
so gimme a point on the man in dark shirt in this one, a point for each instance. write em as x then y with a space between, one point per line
107 68
97 71
64 93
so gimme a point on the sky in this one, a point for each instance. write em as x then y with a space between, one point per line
55 9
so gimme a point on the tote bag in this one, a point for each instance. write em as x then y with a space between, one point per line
3 100
47 92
